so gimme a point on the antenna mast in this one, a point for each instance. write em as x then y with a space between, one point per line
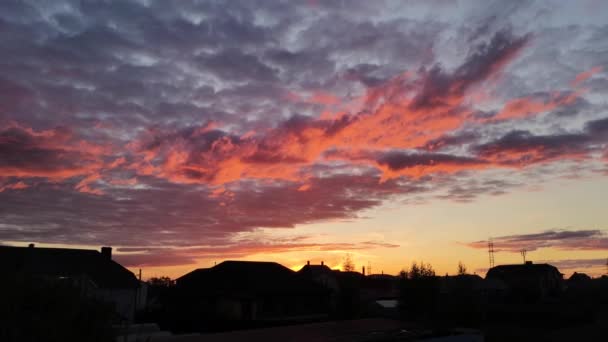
523 253
491 252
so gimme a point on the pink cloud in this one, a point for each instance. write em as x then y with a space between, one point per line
583 76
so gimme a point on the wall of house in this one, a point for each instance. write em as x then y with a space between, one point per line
124 300
230 309
292 307
142 297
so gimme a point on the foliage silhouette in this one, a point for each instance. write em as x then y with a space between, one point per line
418 291
462 269
348 264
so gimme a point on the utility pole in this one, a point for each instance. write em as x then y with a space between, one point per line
523 253
491 252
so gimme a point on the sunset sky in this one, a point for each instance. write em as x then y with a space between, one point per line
191 132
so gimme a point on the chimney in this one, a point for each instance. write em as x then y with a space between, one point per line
107 252
308 263
363 270
31 245
321 263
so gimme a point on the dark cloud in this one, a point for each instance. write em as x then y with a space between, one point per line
400 160
469 190
451 140
192 216
580 265
523 148
598 129
483 61
559 239
234 65
48 154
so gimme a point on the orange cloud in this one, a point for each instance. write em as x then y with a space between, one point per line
405 112
55 154
583 76
304 187
528 106
14 186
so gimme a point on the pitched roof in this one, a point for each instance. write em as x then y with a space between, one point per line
248 278
527 269
64 262
315 270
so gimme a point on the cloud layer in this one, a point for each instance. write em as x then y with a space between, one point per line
186 125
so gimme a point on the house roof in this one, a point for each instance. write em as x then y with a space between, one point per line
315 270
579 277
248 278
64 262
527 269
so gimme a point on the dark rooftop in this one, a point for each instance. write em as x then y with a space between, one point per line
315 269
527 269
64 262
247 277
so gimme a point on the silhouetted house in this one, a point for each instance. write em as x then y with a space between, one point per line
92 272
578 282
321 274
469 284
352 294
579 277
350 302
252 291
528 281
325 277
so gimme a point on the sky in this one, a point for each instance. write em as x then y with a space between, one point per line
187 133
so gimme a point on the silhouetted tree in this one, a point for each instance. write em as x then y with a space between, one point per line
424 270
462 269
418 291
348 265
161 282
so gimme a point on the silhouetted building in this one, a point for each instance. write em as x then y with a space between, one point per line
353 294
321 274
252 291
579 277
469 284
92 272
325 277
528 281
